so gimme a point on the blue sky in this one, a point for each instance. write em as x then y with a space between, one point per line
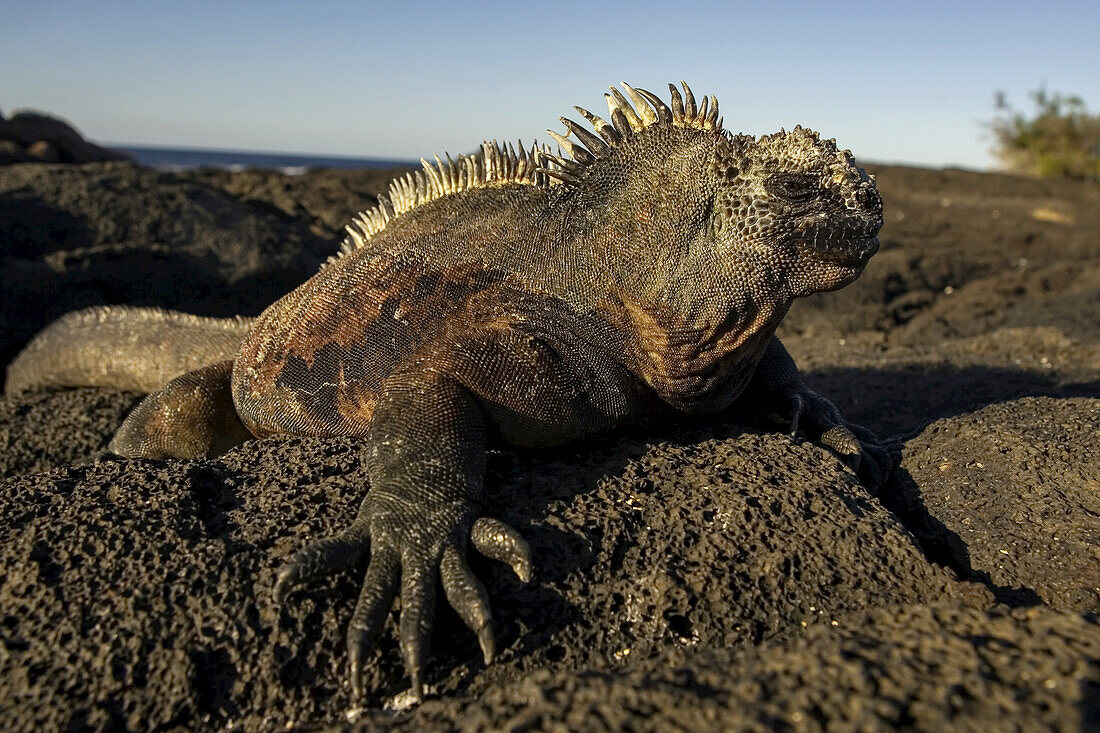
907 82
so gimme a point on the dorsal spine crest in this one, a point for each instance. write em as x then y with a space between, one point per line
497 165
627 120
494 165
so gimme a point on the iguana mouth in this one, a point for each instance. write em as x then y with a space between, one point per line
845 248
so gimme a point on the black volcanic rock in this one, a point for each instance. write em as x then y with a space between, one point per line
30 137
138 593
933 668
1010 495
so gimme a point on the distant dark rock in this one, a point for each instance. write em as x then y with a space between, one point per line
30 136
44 151
74 236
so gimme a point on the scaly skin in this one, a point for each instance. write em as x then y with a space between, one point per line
138 349
488 299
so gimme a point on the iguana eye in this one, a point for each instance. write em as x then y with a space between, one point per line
792 188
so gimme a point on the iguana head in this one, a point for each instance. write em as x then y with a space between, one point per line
790 207
800 203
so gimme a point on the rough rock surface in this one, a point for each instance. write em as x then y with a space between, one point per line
677 564
140 592
80 422
1010 495
915 668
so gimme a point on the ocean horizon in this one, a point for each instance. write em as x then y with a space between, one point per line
169 158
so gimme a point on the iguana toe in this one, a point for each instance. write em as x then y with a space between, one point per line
797 407
861 451
375 598
321 558
418 581
495 539
842 440
467 596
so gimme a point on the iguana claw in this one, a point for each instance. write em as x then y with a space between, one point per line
321 558
413 571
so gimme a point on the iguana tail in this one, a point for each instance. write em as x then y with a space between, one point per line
137 349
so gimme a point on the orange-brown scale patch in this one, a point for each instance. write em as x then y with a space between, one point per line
317 359
696 367
354 402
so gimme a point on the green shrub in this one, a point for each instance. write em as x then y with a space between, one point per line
1060 139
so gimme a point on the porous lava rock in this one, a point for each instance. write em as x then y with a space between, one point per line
932 668
137 593
47 429
1010 496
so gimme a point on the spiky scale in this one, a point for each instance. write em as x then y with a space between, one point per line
576 152
689 102
606 130
569 165
619 120
645 113
664 114
436 183
355 235
561 175
592 142
624 107
452 172
677 104
712 116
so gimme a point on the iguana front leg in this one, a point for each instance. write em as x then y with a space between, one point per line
425 453
426 461
777 386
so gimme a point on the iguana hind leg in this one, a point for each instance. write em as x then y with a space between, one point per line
190 417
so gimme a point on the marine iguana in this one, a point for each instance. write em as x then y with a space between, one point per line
514 295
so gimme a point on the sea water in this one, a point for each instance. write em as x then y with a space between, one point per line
289 163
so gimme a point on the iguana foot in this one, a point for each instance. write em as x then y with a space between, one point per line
410 555
190 417
778 388
822 423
